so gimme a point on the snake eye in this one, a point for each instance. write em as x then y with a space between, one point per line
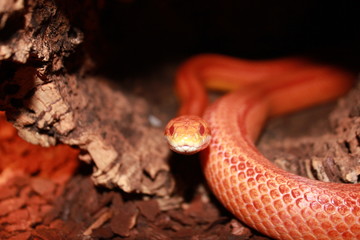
202 130
171 130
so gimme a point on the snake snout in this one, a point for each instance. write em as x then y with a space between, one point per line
187 134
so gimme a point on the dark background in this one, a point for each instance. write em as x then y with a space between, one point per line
142 33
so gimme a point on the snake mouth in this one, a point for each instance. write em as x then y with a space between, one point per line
185 149
188 147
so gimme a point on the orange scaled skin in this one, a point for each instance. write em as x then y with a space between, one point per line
271 200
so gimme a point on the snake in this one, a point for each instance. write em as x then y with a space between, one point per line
265 197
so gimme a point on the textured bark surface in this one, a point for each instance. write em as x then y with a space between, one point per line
48 105
320 148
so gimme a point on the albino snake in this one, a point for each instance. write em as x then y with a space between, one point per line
265 197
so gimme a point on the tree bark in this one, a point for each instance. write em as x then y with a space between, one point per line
50 97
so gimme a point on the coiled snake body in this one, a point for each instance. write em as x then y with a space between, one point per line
265 197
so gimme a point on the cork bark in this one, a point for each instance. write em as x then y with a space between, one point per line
50 97
318 147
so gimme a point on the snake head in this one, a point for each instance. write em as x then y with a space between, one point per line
187 134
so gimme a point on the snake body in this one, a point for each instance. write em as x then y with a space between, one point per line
277 203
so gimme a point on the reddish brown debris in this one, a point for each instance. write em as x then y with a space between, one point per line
148 208
57 163
26 200
124 219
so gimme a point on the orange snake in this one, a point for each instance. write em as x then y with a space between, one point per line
277 203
